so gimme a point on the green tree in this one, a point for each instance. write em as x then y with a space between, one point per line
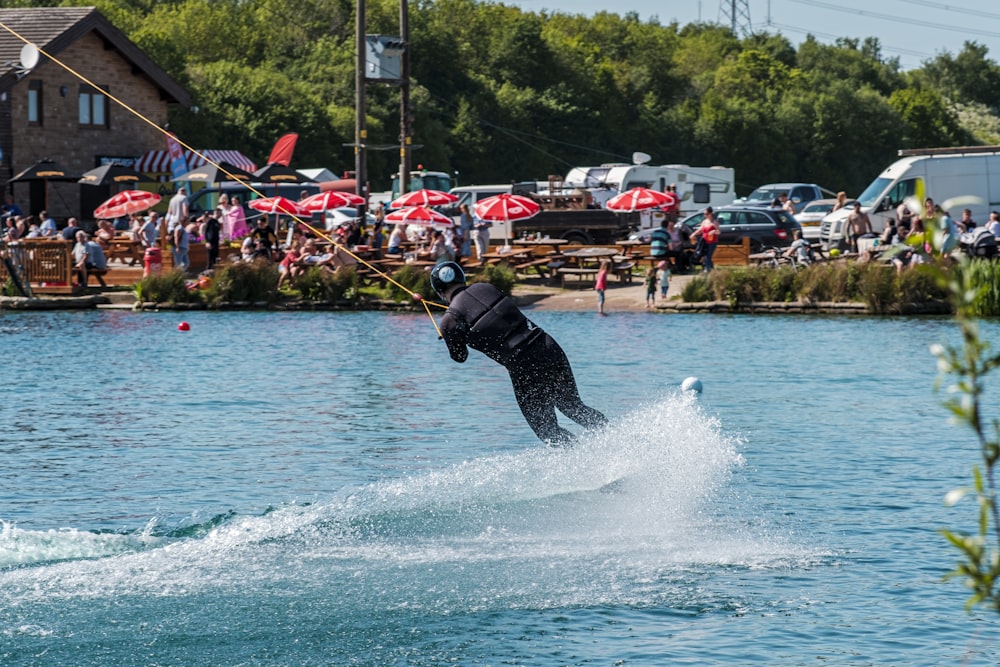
929 122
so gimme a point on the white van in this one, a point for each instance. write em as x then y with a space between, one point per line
938 173
473 194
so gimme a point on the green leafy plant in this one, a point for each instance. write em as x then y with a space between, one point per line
501 276
320 285
168 288
415 279
252 282
969 363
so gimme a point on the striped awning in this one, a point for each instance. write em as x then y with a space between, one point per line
155 162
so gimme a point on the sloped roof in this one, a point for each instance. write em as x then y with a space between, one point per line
53 29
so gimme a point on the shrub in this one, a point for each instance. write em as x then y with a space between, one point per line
877 287
500 276
415 279
698 289
244 281
170 287
985 273
920 284
823 282
322 285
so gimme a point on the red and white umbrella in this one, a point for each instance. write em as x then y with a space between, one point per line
126 202
419 215
276 205
329 200
423 198
507 208
640 199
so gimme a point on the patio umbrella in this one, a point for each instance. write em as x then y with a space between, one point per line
44 170
507 208
419 215
126 202
276 206
639 199
107 174
210 173
423 198
325 201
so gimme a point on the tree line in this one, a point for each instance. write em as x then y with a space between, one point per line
501 94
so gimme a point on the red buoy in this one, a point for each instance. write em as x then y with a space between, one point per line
183 326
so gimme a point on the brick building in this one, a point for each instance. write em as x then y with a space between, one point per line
49 112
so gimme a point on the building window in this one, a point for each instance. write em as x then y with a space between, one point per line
34 102
93 107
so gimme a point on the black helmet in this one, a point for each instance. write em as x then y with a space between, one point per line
445 275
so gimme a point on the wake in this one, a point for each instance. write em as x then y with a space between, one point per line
643 492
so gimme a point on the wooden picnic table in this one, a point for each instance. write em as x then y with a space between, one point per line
534 242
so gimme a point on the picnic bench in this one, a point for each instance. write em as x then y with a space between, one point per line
581 273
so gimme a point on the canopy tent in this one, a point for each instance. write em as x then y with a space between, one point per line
158 162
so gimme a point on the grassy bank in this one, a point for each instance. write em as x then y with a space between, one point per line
878 286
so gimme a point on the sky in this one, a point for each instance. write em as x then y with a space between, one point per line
911 30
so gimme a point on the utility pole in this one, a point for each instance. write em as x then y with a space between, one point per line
405 129
736 14
360 119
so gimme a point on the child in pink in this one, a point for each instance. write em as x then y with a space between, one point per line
600 285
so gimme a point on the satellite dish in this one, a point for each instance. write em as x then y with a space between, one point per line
640 158
29 56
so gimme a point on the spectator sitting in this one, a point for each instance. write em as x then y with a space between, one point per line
800 249
439 251
396 239
994 223
48 225
289 268
69 232
88 256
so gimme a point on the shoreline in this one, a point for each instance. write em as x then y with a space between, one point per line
619 298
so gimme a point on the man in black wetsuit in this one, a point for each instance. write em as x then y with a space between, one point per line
481 317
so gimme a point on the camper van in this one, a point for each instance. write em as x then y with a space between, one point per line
938 173
577 225
697 187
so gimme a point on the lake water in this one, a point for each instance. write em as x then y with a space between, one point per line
331 489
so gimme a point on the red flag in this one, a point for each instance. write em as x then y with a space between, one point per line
283 149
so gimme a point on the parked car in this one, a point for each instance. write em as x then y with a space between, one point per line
336 217
765 227
812 214
800 194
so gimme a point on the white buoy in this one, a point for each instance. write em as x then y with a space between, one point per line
691 384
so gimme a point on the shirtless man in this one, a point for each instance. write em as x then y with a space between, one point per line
858 224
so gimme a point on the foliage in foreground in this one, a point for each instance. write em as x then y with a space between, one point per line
969 363
877 285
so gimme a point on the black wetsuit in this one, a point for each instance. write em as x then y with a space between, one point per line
481 317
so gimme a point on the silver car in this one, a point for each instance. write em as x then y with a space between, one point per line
812 214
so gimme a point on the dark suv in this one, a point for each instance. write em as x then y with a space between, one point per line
765 227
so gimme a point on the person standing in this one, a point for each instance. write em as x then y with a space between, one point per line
601 285
465 225
211 231
858 224
177 210
650 284
480 235
709 234
663 277
182 246
482 317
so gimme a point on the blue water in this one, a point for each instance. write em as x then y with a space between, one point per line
330 489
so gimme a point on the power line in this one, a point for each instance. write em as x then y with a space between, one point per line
898 19
825 35
952 8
